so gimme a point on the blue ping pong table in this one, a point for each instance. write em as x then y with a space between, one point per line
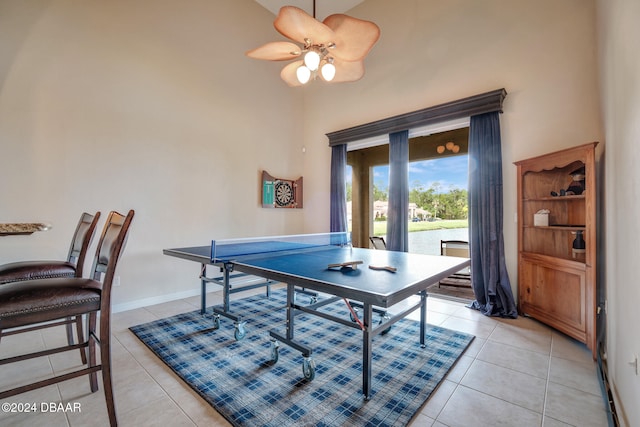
367 279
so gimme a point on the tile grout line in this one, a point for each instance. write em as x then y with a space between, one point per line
546 385
458 383
436 420
144 369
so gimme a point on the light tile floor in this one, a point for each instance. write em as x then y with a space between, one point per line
515 373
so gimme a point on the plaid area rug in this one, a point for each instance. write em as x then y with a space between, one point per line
239 380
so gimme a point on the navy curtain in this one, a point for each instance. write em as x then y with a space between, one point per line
338 202
489 276
398 208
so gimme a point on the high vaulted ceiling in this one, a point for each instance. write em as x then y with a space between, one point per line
324 8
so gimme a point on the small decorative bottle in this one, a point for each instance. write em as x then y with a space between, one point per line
578 246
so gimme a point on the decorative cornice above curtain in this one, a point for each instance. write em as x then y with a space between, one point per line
478 104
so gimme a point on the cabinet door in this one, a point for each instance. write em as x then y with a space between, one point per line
554 292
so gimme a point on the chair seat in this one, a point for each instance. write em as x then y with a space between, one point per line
28 270
457 280
33 301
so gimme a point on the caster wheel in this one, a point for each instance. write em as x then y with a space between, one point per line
308 368
275 352
216 322
240 332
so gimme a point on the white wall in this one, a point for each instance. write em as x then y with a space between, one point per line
620 68
147 105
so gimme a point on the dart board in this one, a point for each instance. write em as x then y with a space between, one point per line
280 192
283 193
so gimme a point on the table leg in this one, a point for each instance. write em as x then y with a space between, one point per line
203 288
366 349
308 365
226 289
291 294
423 318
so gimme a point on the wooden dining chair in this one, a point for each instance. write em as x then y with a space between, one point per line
42 269
73 266
30 305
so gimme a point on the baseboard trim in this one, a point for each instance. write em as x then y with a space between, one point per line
160 299
146 302
608 393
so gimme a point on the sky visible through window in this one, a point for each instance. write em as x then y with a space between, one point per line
449 172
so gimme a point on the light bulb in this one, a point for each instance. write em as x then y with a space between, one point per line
440 149
303 74
312 60
455 148
328 71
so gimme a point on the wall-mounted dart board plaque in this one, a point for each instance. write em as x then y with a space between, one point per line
280 192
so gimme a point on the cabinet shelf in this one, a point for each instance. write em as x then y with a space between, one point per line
555 198
558 227
557 283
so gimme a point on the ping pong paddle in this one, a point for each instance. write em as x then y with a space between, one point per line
383 267
352 264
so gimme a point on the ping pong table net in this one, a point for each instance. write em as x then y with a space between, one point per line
230 249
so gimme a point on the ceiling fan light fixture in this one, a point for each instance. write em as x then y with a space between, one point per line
328 71
303 74
339 43
312 60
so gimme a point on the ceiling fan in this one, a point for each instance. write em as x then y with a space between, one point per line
333 49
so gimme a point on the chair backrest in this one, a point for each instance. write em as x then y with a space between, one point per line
378 242
112 241
82 239
459 248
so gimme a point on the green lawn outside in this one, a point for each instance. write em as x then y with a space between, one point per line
380 227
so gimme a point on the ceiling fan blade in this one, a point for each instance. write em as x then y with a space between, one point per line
288 73
298 25
275 51
354 37
347 71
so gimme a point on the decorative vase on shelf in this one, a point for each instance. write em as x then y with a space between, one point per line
578 245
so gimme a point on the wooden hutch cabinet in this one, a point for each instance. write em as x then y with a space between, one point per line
557 253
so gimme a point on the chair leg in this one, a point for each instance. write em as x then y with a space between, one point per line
105 360
91 335
69 327
80 334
